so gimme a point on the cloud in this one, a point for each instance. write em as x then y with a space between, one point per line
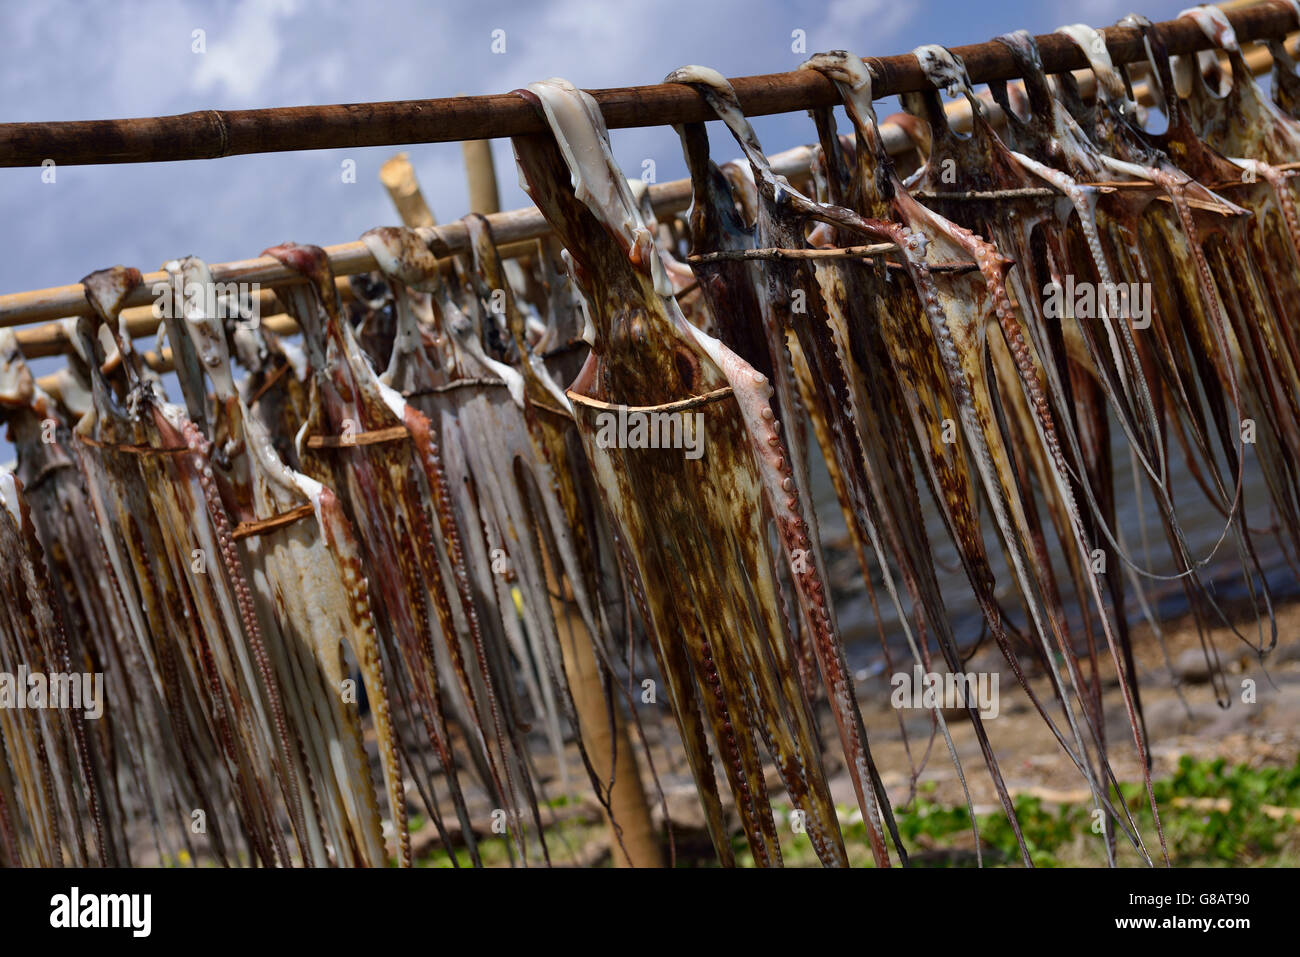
244 54
874 21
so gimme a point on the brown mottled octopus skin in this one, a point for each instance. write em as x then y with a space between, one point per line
1253 341
580 529
1245 264
155 510
1027 229
912 353
168 685
557 432
311 595
43 821
1245 124
731 293
275 395
572 524
1191 231
1284 81
511 496
894 364
692 539
441 365
1191 340
51 490
1078 383
1119 223
36 814
181 502
960 337
425 603
844 352
855 298
1048 136
137 557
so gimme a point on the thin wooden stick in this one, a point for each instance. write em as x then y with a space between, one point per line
843 252
1028 192
390 434
211 133
264 525
469 383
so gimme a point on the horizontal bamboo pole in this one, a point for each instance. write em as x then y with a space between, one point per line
347 259
51 338
208 134
159 362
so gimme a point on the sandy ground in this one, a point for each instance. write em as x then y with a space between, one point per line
1182 717
1179 701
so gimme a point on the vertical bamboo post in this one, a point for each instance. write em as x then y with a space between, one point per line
627 798
481 173
404 189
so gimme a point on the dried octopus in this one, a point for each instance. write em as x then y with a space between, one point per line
428 488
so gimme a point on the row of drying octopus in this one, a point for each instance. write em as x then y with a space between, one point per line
229 563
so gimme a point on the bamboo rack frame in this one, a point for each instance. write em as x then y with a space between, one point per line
208 134
346 259
293 128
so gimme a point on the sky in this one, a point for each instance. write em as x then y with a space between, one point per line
68 60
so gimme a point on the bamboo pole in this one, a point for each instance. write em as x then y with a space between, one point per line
481 174
630 820
514 230
404 190
212 133
346 259
52 339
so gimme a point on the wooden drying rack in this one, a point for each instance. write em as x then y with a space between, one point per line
210 134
